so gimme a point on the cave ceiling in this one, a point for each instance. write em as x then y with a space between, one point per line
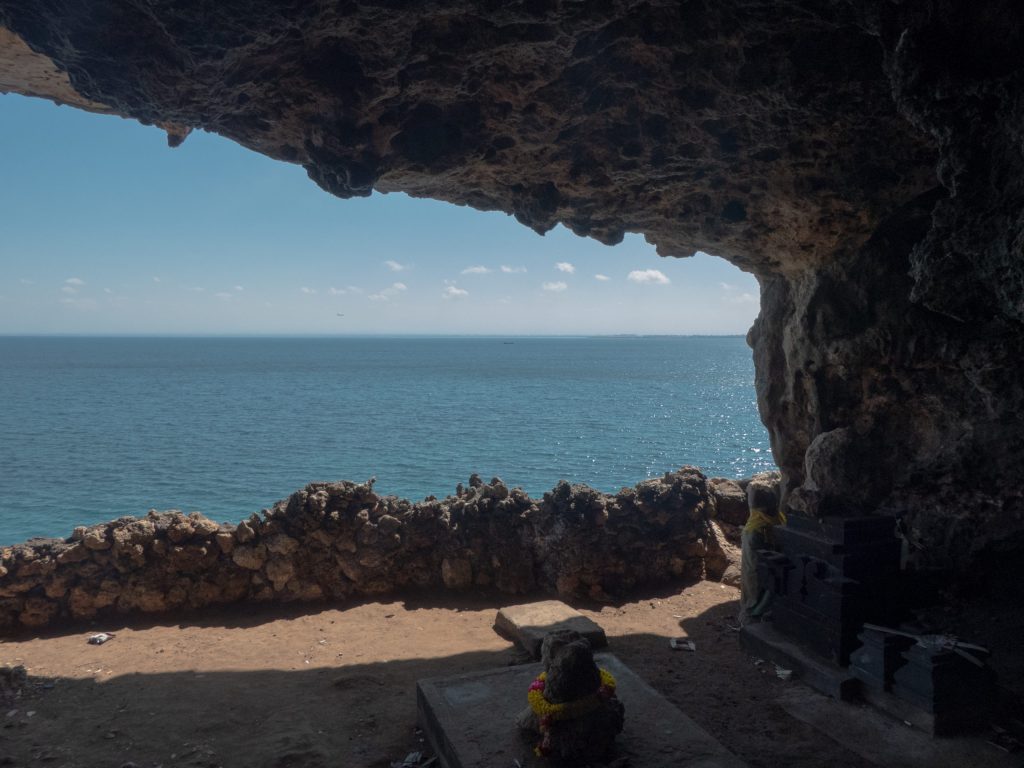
765 132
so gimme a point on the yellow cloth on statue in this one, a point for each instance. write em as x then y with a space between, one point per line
760 519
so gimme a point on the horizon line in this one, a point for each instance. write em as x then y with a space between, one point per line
64 335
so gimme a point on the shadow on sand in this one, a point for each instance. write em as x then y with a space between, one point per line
363 715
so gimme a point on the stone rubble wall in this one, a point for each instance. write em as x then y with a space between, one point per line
332 541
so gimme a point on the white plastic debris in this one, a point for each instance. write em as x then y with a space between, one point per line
782 673
412 760
682 644
100 638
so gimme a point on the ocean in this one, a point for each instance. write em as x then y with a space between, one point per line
96 428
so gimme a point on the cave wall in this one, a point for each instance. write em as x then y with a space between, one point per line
863 159
877 404
889 378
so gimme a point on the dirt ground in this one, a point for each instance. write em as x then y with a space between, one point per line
311 688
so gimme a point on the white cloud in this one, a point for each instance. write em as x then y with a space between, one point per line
732 297
107 290
554 287
393 290
655 276
336 291
86 305
156 279
602 278
476 271
233 293
451 292
307 290
512 270
743 298
75 281
23 281
565 266
394 266
197 289
70 289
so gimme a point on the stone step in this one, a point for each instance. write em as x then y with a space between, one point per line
527 624
761 639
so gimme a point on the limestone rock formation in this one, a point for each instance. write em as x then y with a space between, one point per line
730 499
863 159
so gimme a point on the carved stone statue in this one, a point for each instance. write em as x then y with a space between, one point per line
573 707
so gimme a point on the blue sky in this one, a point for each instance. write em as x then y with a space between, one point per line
105 230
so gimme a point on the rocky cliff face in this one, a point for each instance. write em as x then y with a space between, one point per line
863 159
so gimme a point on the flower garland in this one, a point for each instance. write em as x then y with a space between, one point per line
548 713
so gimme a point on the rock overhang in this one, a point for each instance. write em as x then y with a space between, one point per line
862 159
761 132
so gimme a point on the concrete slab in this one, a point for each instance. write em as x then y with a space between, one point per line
527 624
761 640
469 721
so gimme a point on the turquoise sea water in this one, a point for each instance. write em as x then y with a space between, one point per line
95 428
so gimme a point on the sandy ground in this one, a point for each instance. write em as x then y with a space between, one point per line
266 688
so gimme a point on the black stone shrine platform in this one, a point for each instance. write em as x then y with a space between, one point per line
470 719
